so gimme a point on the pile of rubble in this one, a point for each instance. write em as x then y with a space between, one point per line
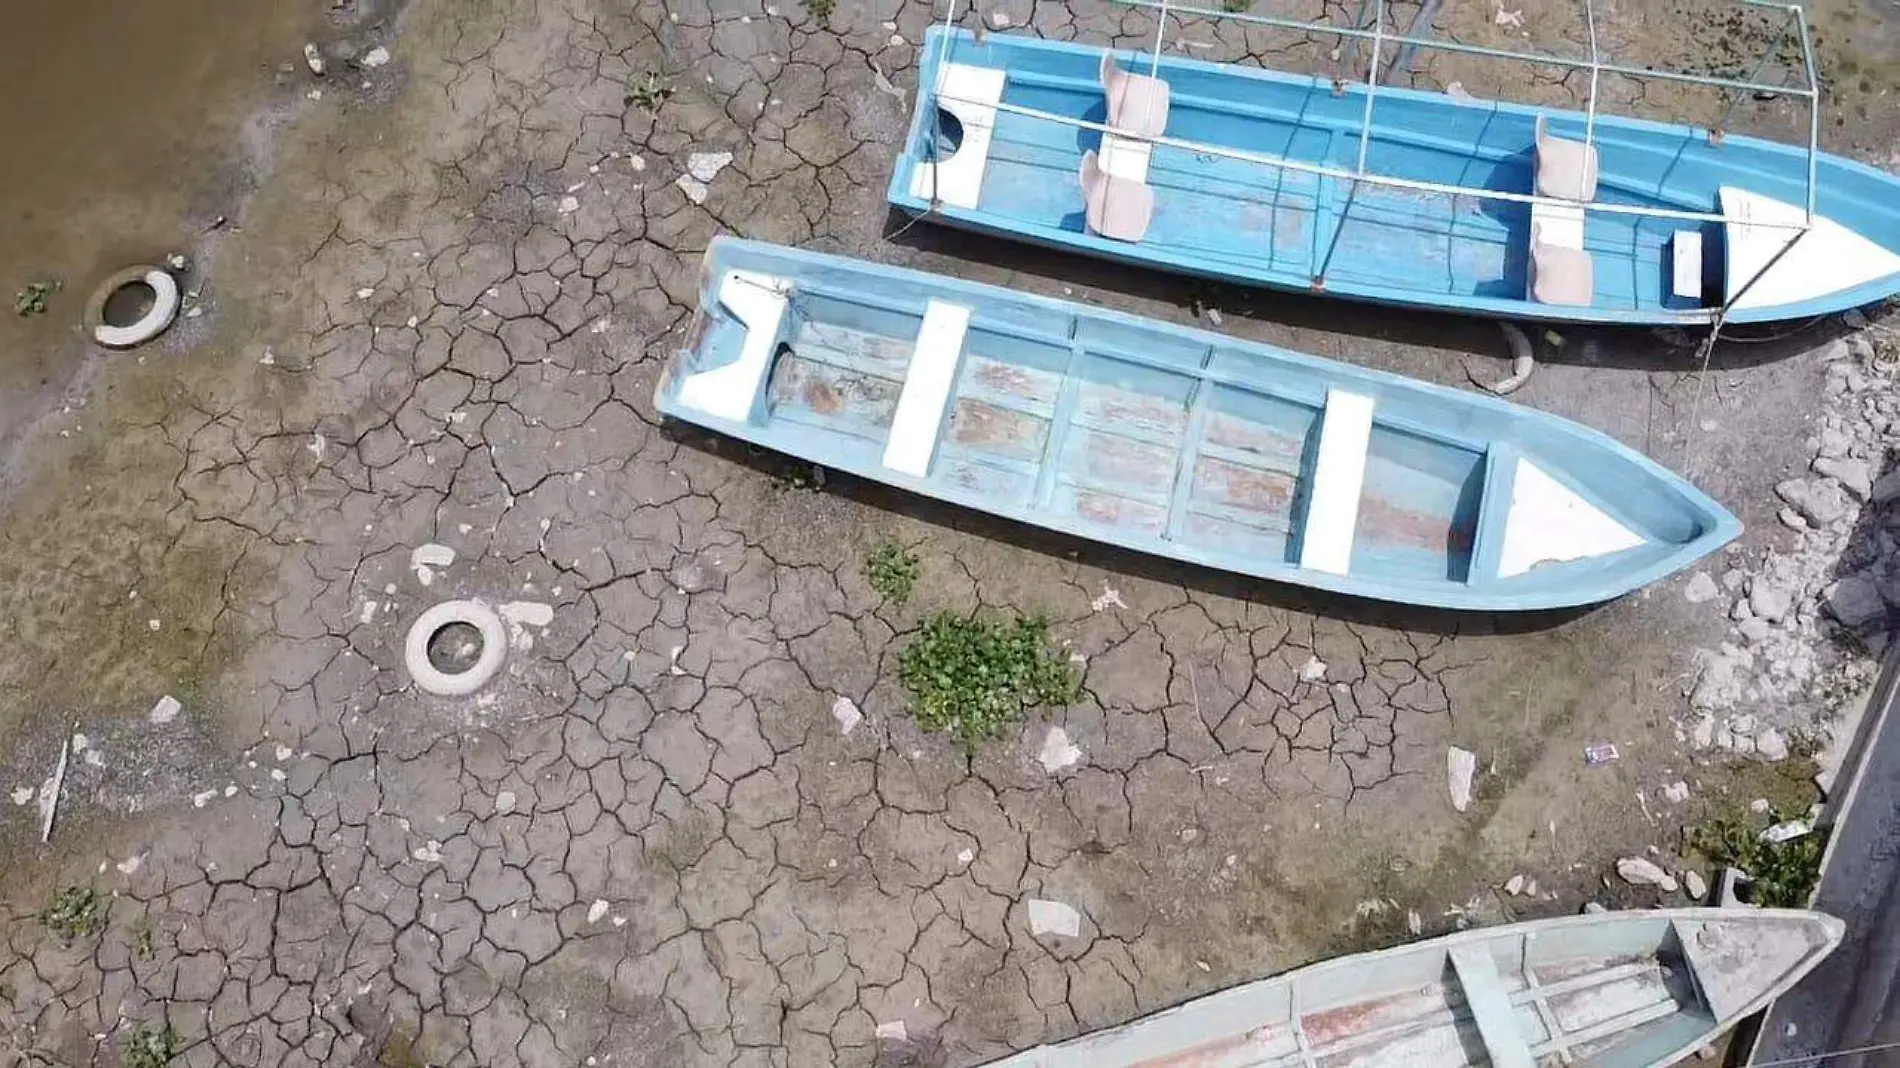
1809 623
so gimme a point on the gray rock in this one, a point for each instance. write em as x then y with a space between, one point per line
1855 600
1820 501
1593 908
1771 745
1792 519
1703 734
1769 601
1676 793
1754 631
1701 588
1833 351
1888 487
1834 442
1640 871
1740 610
1855 475
1734 579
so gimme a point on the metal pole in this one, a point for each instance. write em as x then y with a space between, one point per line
1596 70
1814 101
1735 99
1376 179
1372 82
1478 50
1161 28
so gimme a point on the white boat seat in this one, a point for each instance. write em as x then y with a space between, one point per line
927 381
1560 274
1116 208
1686 264
1566 169
1137 103
1339 475
758 302
971 95
1491 1009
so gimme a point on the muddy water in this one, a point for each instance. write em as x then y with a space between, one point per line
123 133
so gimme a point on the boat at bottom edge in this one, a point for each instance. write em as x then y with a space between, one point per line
1611 990
1174 441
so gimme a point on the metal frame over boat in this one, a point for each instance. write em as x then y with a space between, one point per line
1616 990
1174 441
1394 195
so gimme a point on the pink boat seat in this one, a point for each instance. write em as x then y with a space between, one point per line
1117 208
1566 169
1137 104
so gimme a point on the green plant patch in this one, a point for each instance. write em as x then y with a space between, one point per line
974 678
74 912
32 298
149 1047
821 9
1784 872
648 94
891 570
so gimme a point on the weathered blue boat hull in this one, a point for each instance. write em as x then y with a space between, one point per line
1245 221
1174 441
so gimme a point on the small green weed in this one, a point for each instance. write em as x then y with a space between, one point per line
821 9
32 297
1784 872
974 678
144 938
891 570
74 912
648 94
149 1047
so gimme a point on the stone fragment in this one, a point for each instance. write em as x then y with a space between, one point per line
1754 631
1058 752
1313 670
1460 766
1676 793
845 711
1514 885
1053 918
1693 883
597 911
1853 475
1855 600
1640 871
313 59
1701 589
1771 745
1769 601
504 802
164 711
375 57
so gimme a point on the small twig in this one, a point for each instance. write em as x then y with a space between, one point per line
59 784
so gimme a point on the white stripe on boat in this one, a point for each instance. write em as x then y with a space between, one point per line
758 301
1332 510
1549 522
1826 260
971 94
933 370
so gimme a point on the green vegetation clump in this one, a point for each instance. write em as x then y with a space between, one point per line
891 570
74 912
149 1047
821 9
974 678
1784 872
648 94
32 298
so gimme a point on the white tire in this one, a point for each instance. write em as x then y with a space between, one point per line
427 676
163 311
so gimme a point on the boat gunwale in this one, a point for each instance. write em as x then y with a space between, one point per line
1718 525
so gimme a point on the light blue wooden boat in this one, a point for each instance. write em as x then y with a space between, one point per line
1174 441
1616 990
1259 177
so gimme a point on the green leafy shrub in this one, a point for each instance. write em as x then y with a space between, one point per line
974 678
892 572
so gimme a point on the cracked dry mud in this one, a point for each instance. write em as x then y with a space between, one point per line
649 842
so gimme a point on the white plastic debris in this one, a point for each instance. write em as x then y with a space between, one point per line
1786 832
1110 598
1514 886
966 855
569 205
597 911
894 1031
164 711
1058 752
23 795
313 59
845 711
1696 886
375 57
701 169
1313 670
1053 917
1460 766
504 802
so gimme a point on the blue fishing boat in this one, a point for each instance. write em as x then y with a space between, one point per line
1393 195
1174 441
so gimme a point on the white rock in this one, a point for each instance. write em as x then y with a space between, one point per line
1771 745
1769 601
703 167
313 59
1786 832
597 911
430 852
894 1031
1460 766
23 795
1058 752
694 189
1703 734
1759 806
375 57
431 555
1592 908
1053 917
571 204
1676 793
966 855
1514 885
528 613
1701 588
845 711
504 802
1694 884
1110 598
1640 871
1313 670
165 710
1754 631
